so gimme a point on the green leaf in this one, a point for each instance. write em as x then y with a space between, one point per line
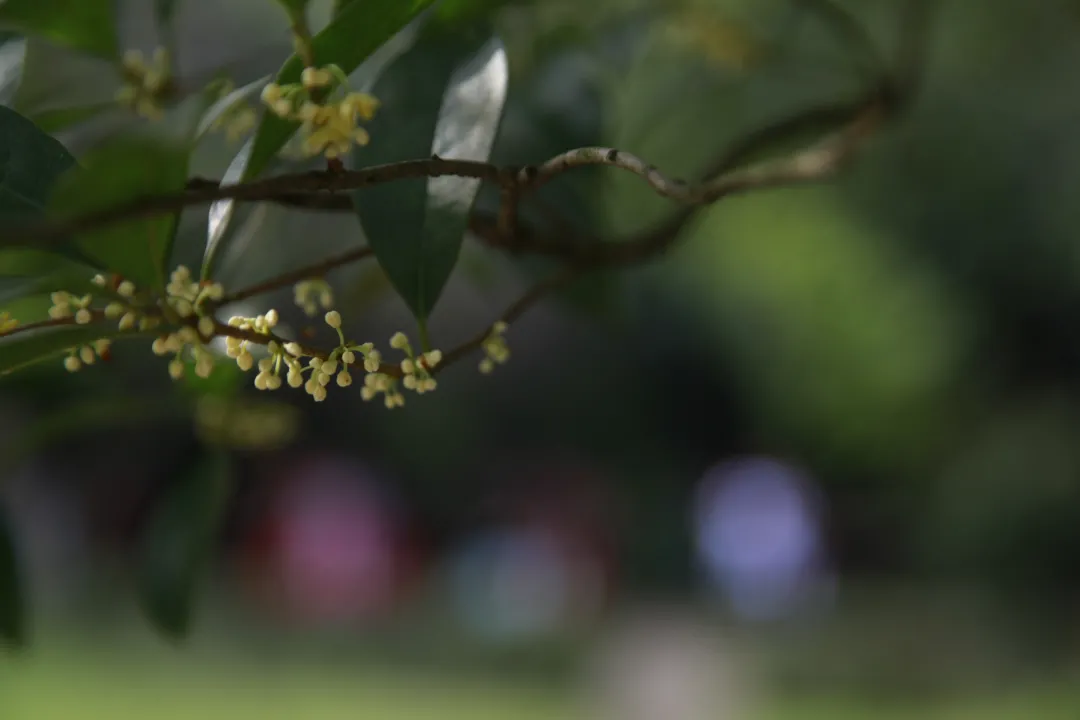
219 217
30 163
116 173
339 7
12 59
57 119
359 30
179 541
32 263
444 96
26 271
78 417
87 25
459 11
153 162
22 349
12 602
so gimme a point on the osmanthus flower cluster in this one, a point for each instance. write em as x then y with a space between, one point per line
146 84
495 349
328 113
239 118
184 318
312 294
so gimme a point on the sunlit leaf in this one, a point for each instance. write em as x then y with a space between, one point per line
444 96
219 218
12 600
12 58
87 25
179 540
358 31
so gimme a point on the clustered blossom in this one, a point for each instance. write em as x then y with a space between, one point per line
306 292
328 113
187 297
495 349
86 354
416 369
66 305
145 84
185 343
186 310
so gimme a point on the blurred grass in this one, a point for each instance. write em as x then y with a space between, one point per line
55 688
59 685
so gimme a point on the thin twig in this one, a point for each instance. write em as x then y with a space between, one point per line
295 276
522 305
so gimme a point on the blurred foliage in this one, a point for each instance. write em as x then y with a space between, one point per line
909 333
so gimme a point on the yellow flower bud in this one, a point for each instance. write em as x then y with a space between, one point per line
432 358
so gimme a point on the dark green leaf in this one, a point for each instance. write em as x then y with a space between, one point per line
87 25
339 6
444 96
12 602
117 173
26 271
30 263
30 163
358 31
462 11
80 416
179 540
21 349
